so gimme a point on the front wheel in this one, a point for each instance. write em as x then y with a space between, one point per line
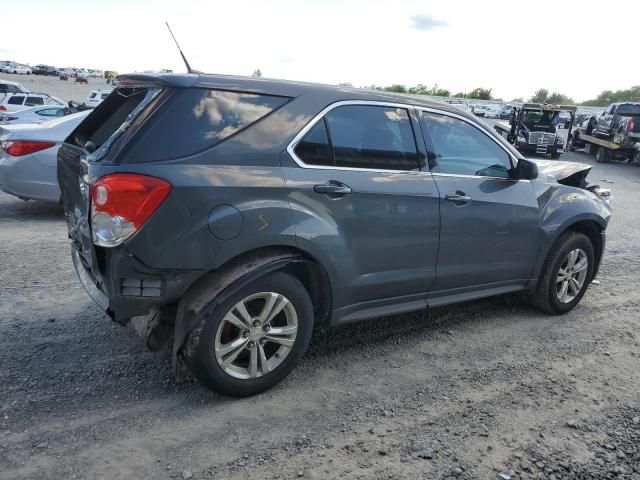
255 338
565 275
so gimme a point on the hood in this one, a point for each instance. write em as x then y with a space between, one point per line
567 173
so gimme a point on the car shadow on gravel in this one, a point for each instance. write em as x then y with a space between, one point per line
25 210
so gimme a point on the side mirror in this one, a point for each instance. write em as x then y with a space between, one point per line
525 170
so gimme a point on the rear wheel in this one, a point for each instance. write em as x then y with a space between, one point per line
565 275
256 337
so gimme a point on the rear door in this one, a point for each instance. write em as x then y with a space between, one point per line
361 203
489 221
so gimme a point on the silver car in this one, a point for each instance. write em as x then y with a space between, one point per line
39 114
28 154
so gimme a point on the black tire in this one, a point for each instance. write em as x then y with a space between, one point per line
545 296
203 362
555 155
602 155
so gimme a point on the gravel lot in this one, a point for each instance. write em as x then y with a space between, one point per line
69 90
479 390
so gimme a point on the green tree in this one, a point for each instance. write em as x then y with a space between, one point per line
480 94
607 96
540 96
559 99
257 73
396 88
460 95
517 100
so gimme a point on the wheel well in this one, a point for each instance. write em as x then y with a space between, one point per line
306 269
593 231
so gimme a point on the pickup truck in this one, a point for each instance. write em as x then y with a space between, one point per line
619 122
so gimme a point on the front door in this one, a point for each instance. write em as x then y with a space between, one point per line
362 206
489 221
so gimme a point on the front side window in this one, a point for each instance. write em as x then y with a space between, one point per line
460 148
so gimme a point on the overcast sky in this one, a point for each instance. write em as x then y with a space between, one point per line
513 47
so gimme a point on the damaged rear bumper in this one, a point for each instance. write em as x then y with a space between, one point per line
130 288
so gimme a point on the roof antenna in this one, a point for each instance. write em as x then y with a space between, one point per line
184 59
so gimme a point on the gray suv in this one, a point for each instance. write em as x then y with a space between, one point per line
227 216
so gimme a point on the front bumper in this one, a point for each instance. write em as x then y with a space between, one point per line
534 148
128 288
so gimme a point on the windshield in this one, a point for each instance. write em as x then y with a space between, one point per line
536 117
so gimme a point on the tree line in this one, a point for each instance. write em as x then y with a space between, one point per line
542 95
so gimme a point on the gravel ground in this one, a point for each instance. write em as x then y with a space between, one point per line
488 389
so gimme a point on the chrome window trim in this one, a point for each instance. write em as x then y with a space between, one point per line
294 143
407 106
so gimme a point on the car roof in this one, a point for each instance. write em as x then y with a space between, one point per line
9 82
288 88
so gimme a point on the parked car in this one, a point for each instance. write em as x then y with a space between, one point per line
45 70
619 122
479 110
17 69
39 114
97 96
303 204
81 80
564 120
28 157
506 112
96 73
17 101
8 87
492 111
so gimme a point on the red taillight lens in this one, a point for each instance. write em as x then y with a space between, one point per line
3 108
18 148
122 203
630 125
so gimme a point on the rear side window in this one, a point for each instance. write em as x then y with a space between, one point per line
361 136
34 101
372 137
16 100
314 148
629 110
196 119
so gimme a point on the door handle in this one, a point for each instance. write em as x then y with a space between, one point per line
332 188
459 198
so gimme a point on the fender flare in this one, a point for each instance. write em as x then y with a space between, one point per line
215 287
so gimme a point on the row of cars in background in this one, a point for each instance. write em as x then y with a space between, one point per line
33 125
9 66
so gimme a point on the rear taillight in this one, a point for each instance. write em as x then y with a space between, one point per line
630 125
17 148
3 108
122 203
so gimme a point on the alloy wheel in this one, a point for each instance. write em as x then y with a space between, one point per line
572 275
256 335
